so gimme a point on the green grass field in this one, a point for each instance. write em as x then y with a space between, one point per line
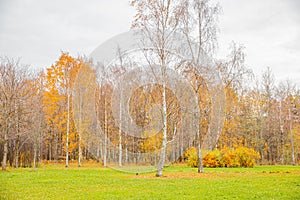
179 182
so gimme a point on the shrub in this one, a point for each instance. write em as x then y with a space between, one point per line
193 160
246 156
239 157
212 159
190 156
188 152
229 158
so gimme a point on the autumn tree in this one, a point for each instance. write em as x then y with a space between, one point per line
36 118
159 21
288 118
84 104
13 94
268 120
52 111
58 100
234 73
199 25
103 89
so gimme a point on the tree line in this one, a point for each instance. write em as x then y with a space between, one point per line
39 116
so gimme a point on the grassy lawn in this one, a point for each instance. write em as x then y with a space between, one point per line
179 182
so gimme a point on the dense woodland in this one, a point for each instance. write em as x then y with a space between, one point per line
64 112
35 111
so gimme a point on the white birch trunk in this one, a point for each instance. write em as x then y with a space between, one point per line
80 131
34 154
68 128
120 134
164 139
105 136
292 138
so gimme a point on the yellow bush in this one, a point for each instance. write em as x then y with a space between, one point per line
229 158
190 156
188 152
212 159
239 157
246 156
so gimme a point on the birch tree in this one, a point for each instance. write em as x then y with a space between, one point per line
233 69
83 105
58 100
102 104
199 25
234 73
159 20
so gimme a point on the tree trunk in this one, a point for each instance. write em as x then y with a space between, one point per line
105 136
17 157
293 150
34 154
120 149
292 138
199 150
200 164
55 153
99 153
164 140
261 141
50 150
281 145
4 160
126 156
40 151
68 128
282 148
17 152
79 133
120 132
79 151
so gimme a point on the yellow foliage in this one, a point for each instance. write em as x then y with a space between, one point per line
153 141
238 157
60 78
212 159
190 156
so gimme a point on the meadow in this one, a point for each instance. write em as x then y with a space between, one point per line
53 181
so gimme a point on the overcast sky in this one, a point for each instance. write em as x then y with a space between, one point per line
38 30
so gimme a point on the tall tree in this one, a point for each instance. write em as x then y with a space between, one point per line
288 90
268 122
234 73
103 90
37 116
159 20
199 25
83 104
53 110
58 99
